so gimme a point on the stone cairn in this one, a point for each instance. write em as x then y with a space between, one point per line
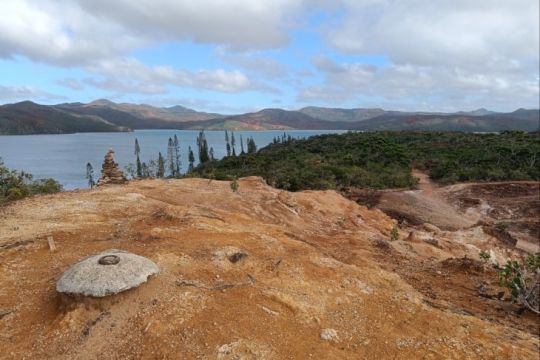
110 173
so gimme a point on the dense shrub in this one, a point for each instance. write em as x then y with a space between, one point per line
16 185
384 160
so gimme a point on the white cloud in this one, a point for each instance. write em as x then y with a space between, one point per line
120 86
446 54
242 24
73 32
454 32
451 53
253 62
10 94
408 87
140 74
58 33
98 36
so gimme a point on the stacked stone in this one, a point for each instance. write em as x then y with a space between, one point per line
110 173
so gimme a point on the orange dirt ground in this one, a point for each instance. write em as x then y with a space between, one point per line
315 261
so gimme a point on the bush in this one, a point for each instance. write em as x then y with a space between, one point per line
234 185
15 185
484 256
394 234
523 281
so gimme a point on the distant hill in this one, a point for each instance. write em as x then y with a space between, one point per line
104 115
271 119
348 115
140 116
173 114
29 118
453 122
477 112
341 119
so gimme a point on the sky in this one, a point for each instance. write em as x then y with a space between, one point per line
234 56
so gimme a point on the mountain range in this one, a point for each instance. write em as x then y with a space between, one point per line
106 116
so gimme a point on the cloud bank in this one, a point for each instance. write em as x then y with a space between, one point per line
444 55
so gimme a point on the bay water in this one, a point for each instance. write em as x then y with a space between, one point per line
64 157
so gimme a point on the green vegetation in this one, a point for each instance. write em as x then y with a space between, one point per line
383 159
234 185
90 175
523 281
15 185
394 234
484 256
458 157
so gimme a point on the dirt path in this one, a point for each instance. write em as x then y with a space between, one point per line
424 182
425 205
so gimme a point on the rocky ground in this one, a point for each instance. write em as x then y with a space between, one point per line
254 274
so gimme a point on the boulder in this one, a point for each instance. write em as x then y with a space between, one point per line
329 335
431 228
106 273
412 237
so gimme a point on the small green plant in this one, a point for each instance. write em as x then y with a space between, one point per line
15 185
523 281
394 234
484 256
234 184
502 226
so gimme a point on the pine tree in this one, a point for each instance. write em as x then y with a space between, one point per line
151 168
90 175
251 146
241 145
138 153
177 155
137 147
233 143
145 170
203 147
191 159
212 154
228 146
161 166
139 167
170 157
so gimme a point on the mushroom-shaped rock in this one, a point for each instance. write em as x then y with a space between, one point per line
107 273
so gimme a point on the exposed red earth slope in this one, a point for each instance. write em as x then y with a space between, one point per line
318 279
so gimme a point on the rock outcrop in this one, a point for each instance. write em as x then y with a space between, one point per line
110 172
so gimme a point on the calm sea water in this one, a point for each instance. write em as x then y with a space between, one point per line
64 157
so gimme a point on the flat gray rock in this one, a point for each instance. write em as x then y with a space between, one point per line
106 273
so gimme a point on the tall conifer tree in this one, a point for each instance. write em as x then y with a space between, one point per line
203 147
161 166
176 155
227 144
191 159
233 143
90 175
137 153
170 157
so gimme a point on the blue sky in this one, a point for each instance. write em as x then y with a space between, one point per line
243 55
